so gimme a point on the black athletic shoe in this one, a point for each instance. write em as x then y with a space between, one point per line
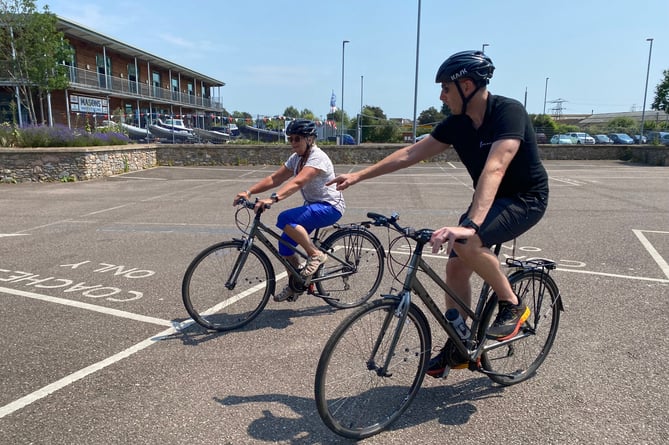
449 356
508 321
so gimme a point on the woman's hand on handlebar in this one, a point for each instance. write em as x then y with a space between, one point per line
262 204
240 197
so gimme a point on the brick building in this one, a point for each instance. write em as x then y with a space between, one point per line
109 77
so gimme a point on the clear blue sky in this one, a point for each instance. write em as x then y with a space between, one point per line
274 54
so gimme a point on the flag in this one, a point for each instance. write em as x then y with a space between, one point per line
333 102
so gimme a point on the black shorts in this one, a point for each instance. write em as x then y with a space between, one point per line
509 218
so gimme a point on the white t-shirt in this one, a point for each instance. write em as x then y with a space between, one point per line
316 190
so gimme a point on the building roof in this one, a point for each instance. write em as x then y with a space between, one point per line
69 27
601 118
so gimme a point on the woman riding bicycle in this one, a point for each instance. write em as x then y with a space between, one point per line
307 169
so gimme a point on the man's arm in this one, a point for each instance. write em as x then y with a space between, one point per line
501 154
402 158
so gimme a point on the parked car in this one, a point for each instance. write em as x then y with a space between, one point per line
541 138
621 138
658 137
639 140
602 139
582 138
562 139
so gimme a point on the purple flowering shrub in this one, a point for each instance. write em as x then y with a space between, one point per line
58 136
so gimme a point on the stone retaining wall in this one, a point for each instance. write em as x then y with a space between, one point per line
72 164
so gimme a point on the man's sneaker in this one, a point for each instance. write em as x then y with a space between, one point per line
508 321
285 294
313 263
449 356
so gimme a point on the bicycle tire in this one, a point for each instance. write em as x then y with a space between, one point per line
356 283
353 400
519 359
205 295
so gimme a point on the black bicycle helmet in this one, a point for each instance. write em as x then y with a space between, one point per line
302 127
474 65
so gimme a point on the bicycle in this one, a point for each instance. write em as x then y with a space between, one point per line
228 284
374 363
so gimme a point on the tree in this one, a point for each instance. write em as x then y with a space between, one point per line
622 125
36 51
430 116
661 102
543 123
291 112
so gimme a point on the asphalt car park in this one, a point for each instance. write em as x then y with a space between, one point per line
97 348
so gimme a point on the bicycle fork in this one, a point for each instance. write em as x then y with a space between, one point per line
400 313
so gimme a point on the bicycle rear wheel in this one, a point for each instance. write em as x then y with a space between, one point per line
216 304
351 284
355 398
518 359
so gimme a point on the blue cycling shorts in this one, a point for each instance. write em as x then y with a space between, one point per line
310 216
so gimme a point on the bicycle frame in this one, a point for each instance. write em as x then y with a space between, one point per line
412 283
258 230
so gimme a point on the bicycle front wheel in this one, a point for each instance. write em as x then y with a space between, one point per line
354 271
356 396
216 303
517 360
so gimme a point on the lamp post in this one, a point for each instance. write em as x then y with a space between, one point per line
545 93
343 47
483 47
415 84
362 78
645 91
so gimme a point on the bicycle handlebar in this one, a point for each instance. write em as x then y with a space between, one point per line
421 235
251 204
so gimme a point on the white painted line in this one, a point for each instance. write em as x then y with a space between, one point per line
653 252
106 210
87 306
65 381
613 275
12 234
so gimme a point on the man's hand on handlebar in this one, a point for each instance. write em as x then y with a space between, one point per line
449 235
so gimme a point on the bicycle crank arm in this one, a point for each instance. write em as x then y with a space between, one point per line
499 374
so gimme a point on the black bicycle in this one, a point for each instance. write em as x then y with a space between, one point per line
229 283
375 361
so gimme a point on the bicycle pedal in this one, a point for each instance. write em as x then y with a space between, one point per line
445 373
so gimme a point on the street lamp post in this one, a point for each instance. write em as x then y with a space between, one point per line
362 78
483 47
545 94
343 47
645 91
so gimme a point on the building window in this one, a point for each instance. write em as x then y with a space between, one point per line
175 89
132 78
156 83
104 73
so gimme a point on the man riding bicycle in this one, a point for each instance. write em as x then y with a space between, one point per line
495 140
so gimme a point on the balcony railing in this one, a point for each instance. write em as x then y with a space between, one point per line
98 83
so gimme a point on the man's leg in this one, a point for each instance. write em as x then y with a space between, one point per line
512 311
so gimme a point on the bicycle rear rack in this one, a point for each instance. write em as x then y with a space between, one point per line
533 263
